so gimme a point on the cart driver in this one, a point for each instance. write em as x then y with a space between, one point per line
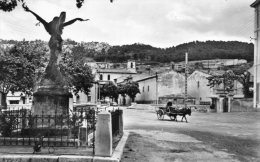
168 106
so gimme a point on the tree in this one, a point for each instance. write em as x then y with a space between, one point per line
122 91
243 76
131 89
227 80
198 65
78 75
20 67
9 5
109 90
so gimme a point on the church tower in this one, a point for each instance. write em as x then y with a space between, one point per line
131 66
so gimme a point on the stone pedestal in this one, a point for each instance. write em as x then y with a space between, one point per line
51 101
220 105
103 142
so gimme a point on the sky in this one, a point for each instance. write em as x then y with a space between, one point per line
160 23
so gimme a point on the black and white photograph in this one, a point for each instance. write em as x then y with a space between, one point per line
129 80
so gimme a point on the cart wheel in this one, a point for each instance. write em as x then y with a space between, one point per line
172 117
160 114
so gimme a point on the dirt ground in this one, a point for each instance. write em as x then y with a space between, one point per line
206 137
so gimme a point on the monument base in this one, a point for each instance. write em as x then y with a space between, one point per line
51 101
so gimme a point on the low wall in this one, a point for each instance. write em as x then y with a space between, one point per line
146 102
154 107
242 105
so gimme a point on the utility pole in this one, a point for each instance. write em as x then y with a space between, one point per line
95 93
98 92
156 88
186 78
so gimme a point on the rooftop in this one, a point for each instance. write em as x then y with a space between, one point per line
257 2
119 71
177 96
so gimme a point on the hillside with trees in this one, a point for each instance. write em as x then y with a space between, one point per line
197 51
213 50
100 51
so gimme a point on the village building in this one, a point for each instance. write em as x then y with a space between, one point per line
154 87
104 74
147 87
256 5
197 87
219 100
18 100
215 64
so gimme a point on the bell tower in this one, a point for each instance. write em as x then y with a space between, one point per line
131 66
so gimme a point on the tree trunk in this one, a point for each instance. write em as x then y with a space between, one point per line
133 99
124 101
246 91
3 100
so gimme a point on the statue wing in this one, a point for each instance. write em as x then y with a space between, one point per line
74 20
26 8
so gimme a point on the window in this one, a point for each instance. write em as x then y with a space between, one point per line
89 98
14 102
115 80
23 99
108 77
132 65
257 17
77 98
198 84
148 88
100 77
143 89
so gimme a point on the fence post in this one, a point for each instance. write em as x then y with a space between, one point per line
103 141
83 136
121 122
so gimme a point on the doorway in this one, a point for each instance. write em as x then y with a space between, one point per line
225 105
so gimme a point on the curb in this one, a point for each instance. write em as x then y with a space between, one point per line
116 156
118 152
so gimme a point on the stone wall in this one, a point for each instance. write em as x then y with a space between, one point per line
242 105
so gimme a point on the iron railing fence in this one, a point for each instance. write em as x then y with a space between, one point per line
22 127
115 117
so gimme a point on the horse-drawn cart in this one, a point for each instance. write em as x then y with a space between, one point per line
173 112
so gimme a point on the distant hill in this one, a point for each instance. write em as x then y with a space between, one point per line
213 50
197 50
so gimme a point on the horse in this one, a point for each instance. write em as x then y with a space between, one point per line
181 112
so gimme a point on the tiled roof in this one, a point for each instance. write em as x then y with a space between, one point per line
212 72
181 96
218 72
120 71
137 77
142 77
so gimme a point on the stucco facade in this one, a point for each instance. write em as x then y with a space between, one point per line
197 87
147 87
103 75
151 87
256 5
170 83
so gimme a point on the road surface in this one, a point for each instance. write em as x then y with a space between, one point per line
206 137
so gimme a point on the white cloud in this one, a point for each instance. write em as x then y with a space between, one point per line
159 23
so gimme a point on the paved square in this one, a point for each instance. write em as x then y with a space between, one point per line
206 137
